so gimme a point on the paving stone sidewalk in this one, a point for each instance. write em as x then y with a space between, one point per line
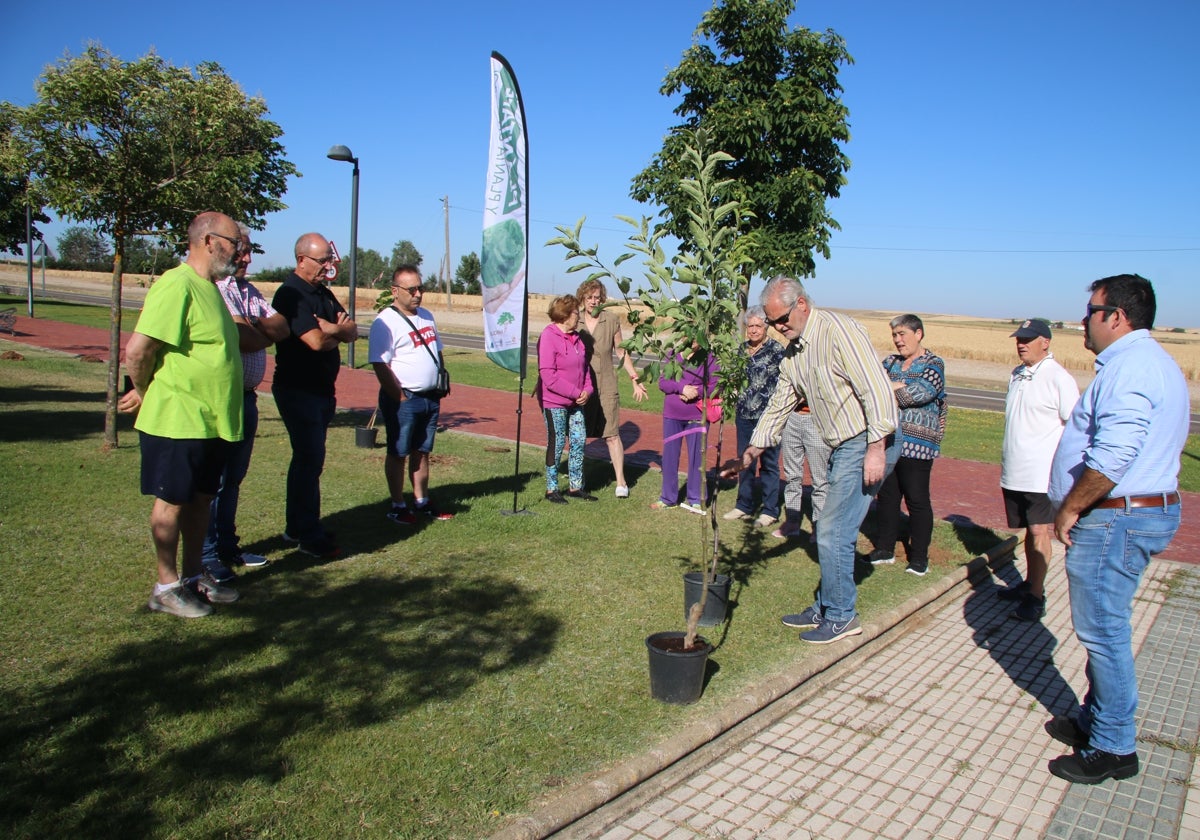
939 735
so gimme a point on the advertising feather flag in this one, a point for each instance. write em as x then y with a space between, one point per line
505 255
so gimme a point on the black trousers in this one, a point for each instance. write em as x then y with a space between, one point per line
910 479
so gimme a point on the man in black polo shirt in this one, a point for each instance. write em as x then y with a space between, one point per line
306 368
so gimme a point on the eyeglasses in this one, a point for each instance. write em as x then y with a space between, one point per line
412 290
1093 308
782 319
322 261
236 243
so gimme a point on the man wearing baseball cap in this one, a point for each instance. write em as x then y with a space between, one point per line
1041 395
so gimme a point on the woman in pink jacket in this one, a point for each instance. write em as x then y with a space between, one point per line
563 389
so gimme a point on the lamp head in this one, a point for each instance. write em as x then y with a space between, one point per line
341 153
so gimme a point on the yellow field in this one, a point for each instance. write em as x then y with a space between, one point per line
960 337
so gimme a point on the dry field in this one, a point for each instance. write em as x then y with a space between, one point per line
961 337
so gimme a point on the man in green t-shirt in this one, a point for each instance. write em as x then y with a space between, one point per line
186 371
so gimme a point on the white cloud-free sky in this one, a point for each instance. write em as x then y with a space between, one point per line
1004 155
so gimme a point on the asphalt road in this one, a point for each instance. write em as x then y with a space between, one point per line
977 398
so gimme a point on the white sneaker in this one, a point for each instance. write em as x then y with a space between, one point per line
180 601
691 508
765 520
622 491
736 513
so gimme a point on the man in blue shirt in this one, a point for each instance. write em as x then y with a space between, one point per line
1114 482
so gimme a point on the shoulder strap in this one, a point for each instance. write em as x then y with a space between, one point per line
413 327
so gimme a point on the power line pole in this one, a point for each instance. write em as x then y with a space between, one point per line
446 214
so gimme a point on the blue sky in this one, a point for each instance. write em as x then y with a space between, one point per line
1004 155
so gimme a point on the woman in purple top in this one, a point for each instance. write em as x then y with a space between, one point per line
563 388
683 425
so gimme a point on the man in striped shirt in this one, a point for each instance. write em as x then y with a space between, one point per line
831 363
259 326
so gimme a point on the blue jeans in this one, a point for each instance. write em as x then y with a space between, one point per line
846 504
307 417
768 464
221 541
1110 548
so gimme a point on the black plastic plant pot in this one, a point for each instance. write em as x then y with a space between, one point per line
365 438
676 674
718 598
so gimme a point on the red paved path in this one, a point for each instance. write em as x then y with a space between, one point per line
962 491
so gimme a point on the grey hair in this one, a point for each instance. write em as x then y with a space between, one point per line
755 311
787 289
244 230
909 322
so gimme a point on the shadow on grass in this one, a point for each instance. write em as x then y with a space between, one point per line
90 754
50 422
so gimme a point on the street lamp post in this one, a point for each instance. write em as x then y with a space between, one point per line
344 154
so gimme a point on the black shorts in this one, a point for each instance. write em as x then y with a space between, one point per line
175 470
1024 508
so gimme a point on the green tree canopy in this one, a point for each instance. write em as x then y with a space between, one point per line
770 98
466 277
14 194
141 147
405 253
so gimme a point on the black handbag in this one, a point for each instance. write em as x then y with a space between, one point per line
442 389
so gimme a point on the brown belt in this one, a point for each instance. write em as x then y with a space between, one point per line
1157 500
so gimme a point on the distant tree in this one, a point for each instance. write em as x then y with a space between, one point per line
371 268
84 249
770 98
273 275
405 253
466 278
139 148
14 193
147 255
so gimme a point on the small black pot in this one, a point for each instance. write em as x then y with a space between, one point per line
718 597
365 438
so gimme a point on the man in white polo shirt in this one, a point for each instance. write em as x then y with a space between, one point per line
406 354
1041 395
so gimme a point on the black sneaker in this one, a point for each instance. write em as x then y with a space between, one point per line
879 557
555 498
288 538
246 558
919 571
402 515
1015 592
581 495
1031 608
322 547
1067 731
219 571
1090 767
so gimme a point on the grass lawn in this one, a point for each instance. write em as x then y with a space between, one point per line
433 683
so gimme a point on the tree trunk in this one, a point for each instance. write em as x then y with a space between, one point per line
114 352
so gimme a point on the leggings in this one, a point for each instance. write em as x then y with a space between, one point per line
563 425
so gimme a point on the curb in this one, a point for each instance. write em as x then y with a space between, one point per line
754 711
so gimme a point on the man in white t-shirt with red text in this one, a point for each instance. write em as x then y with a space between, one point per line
1041 395
406 353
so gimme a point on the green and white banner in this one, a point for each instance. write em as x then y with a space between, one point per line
505 254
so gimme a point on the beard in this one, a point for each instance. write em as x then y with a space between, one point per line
222 267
